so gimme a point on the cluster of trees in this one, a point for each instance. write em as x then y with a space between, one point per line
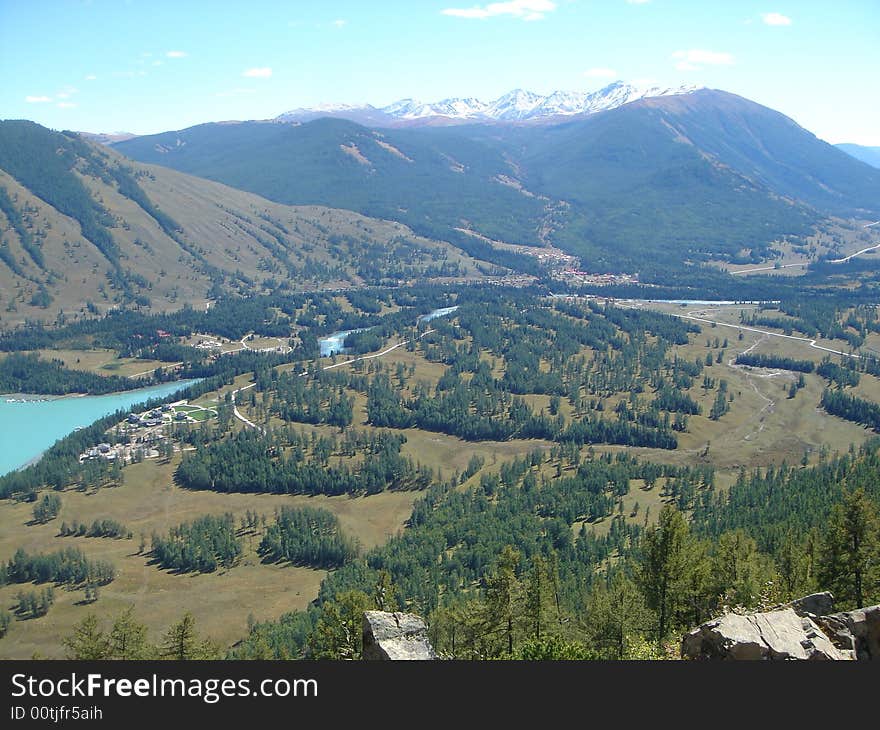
840 375
69 565
253 462
23 373
293 399
497 579
5 622
127 639
201 545
99 528
47 508
539 352
307 536
25 237
780 362
33 604
851 407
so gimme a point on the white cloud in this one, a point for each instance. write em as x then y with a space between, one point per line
157 63
66 105
600 73
522 9
258 73
176 54
696 58
91 77
775 19
37 99
67 92
339 23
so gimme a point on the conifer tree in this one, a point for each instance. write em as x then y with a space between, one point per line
503 595
849 556
128 637
87 642
665 564
181 640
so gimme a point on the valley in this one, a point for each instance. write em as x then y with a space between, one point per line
469 360
472 395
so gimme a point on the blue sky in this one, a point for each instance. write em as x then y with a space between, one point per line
150 65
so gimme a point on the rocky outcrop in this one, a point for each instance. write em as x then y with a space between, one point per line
855 631
816 604
802 629
398 636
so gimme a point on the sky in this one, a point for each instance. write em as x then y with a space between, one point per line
146 66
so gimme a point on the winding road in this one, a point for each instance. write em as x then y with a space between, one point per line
251 424
744 328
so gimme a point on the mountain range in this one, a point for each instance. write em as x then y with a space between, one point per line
515 106
647 185
653 186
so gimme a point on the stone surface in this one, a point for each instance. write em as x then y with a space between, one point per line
816 604
774 635
857 631
396 636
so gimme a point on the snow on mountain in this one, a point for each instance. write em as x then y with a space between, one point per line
515 106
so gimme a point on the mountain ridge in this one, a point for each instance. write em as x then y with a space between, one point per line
517 105
868 155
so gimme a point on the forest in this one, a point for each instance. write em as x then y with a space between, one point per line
554 552
500 574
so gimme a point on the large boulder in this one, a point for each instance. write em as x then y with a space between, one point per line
400 636
816 604
775 635
856 631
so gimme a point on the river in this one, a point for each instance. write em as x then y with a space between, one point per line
335 343
28 428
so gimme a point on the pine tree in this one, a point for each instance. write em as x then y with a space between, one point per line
383 594
502 596
87 642
128 637
849 556
181 640
740 571
665 563
615 615
339 631
539 596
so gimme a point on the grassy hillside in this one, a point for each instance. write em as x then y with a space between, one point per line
84 229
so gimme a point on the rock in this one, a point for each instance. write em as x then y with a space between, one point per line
857 631
398 636
816 604
775 635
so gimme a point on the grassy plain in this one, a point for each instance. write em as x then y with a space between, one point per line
763 427
147 502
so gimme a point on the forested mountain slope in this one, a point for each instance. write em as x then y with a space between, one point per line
85 230
648 185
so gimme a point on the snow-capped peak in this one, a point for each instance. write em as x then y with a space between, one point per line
514 106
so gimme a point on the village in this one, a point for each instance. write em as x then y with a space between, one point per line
143 435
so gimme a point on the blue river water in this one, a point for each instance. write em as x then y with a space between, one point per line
28 429
335 343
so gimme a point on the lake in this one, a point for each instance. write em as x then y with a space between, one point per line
28 429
